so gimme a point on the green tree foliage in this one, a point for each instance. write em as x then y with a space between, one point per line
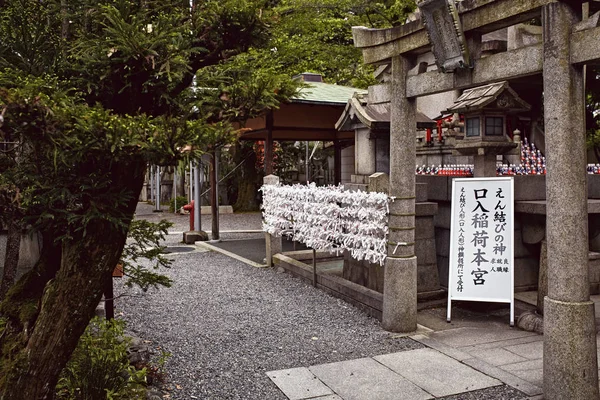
90 93
316 36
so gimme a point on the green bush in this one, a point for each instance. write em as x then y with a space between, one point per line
181 201
99 368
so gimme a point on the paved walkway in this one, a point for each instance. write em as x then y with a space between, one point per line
456 361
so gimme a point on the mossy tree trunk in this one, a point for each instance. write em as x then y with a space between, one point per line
49 308
248 179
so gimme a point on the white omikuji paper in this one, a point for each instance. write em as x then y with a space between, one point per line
329 218
482 237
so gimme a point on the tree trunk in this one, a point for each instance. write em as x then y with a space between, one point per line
11 259
41 347
248 180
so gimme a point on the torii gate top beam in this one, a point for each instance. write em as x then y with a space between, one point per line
478 16
482 16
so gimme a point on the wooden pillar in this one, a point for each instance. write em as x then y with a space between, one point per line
570 360
269 145
214 193
337 162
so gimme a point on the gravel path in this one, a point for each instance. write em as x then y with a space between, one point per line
227 222
226 323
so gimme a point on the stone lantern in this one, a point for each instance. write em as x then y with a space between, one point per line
485 110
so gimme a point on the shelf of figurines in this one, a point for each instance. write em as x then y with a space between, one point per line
466 170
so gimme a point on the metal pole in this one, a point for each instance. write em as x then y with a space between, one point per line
215 194
191 191
157 202
197 188
307 165
314 267
151 179
175 190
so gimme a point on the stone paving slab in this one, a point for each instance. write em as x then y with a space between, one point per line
499 356
532 351
502 343
518 383
299 384
435 372
532 371
366 379
442 348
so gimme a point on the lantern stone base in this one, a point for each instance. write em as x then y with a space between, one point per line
192 237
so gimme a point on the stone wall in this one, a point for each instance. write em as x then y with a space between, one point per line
530 193
29 252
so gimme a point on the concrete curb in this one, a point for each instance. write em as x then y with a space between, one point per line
230 254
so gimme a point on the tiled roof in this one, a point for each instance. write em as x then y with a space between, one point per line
319 93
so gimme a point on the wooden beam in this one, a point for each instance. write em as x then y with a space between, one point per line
379 45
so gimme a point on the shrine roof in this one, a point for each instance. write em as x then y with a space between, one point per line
496 95
374 116
325 93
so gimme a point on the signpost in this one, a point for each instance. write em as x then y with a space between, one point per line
482 242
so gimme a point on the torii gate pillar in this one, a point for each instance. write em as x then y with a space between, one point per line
400 275
570 363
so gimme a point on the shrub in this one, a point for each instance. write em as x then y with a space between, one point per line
180 200
99 368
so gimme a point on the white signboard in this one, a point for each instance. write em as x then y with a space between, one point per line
482 241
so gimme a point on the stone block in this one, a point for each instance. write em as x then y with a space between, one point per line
192 237
534 228
442 265
593 186
379 182
363 273
442 241
594 265
421 192
428 208
523 249
437 187
425 251
442 218
29 252
530 187
424 228
526 273
379 94
271 180
356 187
427 277
451 376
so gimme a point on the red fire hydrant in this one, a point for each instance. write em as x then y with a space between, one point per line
190 208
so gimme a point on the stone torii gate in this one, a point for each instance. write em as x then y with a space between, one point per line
571 39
